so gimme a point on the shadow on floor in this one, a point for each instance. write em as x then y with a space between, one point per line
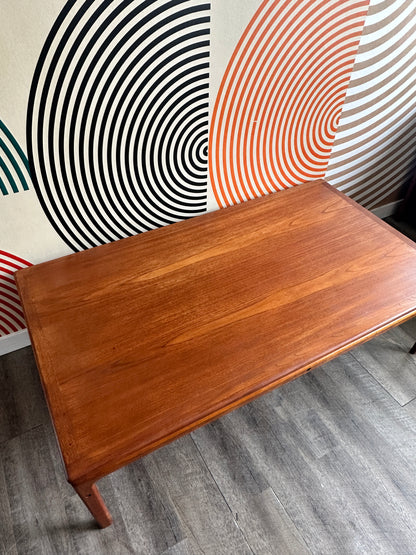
403 226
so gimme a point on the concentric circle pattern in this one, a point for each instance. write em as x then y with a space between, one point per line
277 110
118 118
376 141
11 314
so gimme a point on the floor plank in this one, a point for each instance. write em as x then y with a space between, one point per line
188 489
7 539
259 513
22 404
386 357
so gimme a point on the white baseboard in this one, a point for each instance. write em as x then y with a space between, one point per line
14 341
387 209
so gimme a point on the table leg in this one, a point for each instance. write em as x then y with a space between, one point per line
91 497
413 350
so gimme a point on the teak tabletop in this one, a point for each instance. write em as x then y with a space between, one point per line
142 340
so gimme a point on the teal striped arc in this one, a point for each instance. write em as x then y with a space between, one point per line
14 165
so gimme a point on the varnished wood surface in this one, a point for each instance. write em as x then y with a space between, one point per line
140 341
324 465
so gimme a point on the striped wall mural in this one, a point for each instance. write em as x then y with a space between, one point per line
119 117
277 110
14 178
375 145
11 314
14 166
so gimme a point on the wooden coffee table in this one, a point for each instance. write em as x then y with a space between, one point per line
143 340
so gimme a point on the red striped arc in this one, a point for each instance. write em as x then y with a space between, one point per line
11 313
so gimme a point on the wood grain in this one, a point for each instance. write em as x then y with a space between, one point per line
145 339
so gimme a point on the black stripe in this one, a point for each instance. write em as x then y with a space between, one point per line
104 216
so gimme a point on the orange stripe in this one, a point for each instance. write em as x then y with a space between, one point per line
321 73
270 91
228 135
223 103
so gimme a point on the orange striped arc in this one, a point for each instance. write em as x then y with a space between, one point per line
279 103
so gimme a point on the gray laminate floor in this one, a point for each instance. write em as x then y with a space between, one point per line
324 465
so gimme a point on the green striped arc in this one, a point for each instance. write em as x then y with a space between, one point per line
12 157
